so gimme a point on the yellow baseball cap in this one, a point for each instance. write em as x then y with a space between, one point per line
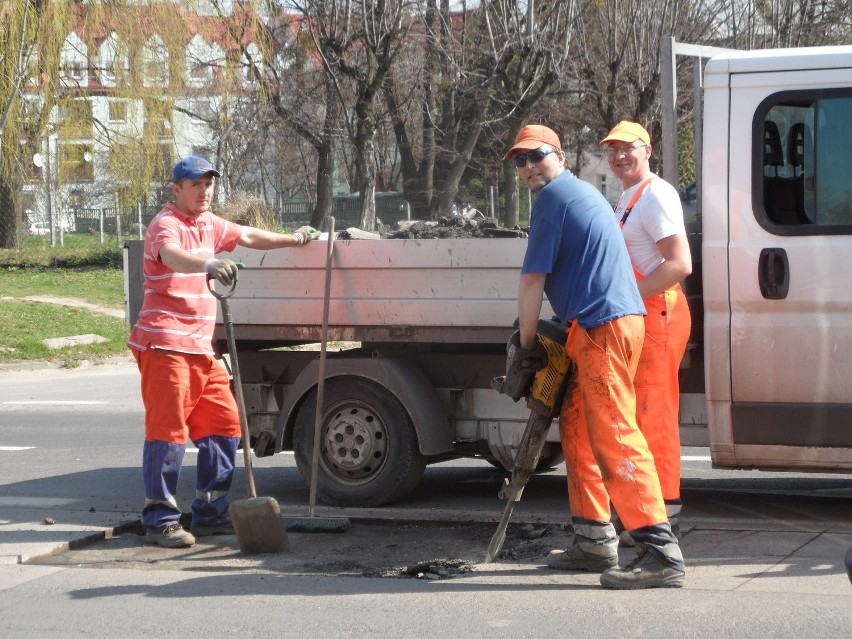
626 131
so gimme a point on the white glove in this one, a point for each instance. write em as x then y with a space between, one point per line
223 271
305 234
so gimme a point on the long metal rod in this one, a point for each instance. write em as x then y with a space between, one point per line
312 501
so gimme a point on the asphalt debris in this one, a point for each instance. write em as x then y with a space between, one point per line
445 227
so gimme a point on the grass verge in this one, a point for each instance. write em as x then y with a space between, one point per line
25 324
80 249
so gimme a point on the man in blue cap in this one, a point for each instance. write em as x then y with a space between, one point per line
186 391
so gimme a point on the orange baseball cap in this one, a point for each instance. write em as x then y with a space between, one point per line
533 136
626 131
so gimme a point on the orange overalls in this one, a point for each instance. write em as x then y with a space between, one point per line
607 457
667 327
657 393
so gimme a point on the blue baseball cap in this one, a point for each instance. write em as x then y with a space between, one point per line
193 168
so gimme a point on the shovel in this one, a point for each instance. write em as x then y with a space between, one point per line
257 520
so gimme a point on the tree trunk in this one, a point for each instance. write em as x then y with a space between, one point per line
326 161
9 227
364 152
511 215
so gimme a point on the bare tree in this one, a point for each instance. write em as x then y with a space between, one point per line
484 67
358 43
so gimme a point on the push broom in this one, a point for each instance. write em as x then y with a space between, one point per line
313 523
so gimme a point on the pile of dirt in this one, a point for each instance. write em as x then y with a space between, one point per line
446 227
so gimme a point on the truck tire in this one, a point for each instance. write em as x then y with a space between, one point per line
369 455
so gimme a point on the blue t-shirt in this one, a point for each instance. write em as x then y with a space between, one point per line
576 242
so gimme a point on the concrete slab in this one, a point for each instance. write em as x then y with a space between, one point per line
31 534
73 340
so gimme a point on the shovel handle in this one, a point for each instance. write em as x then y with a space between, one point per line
238 382
216 294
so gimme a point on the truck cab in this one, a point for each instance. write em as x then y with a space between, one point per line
776 211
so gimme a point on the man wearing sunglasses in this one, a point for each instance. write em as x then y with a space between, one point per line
576 256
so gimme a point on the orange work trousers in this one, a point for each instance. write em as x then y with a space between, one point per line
607 457
667 327
185 396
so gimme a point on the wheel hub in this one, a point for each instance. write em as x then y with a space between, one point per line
355 443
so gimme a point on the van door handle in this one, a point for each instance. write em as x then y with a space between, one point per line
773 273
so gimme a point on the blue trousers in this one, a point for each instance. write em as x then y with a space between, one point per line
161 466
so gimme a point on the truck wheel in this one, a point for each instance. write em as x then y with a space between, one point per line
369 454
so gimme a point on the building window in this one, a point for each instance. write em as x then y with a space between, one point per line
75 118
76 162
118 111
155 58
114 62
74 62
603 185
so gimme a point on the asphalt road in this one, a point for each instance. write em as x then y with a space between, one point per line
764 550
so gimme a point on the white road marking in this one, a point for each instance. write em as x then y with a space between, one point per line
695 458
35 501
15 448
70 402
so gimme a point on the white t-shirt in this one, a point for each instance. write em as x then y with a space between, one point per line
656 215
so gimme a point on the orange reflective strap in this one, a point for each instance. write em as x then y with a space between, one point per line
633 201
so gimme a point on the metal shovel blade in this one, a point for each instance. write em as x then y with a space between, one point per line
258 525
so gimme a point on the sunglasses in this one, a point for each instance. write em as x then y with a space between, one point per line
535 157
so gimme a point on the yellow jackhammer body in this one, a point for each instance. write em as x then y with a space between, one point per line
544 399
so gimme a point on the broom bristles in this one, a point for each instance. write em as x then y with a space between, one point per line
317 524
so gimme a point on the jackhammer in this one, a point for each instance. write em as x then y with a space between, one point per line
541 375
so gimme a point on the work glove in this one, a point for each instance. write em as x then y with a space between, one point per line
521 366
305 234
223 271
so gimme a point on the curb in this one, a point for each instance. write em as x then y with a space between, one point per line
84 364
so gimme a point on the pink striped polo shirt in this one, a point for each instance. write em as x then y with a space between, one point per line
178 312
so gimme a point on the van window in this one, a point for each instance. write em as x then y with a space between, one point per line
805 162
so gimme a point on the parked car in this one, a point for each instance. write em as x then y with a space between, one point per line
688 197
39 228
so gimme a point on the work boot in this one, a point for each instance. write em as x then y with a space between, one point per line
646 571
575 558
172 536
626 541
206 530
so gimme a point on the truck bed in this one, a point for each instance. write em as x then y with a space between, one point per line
437 291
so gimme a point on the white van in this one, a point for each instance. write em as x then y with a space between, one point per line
776 250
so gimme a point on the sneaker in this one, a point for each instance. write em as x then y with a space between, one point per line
646 571
172 536
575 558
220 528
